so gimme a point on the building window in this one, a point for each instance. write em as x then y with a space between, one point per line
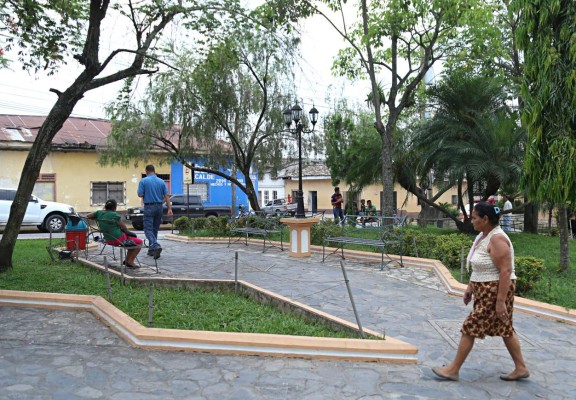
454 200
102 191
45 187
266 197
274 195
260 197
200 189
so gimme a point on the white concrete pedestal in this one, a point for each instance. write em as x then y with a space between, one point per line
299 235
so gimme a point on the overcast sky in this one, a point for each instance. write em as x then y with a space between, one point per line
23 92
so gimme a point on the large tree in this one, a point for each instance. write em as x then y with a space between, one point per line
547 36
48 31
472 141
397 42
236 93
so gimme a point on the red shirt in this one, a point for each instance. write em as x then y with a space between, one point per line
336 198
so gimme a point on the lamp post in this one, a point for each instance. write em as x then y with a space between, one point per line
295 114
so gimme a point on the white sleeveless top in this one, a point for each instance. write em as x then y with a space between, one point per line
483 268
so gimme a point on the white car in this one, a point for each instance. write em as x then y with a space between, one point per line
45 215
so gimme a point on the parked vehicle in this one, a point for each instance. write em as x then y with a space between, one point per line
192 208
45 215
279 207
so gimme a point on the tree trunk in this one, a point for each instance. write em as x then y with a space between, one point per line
38 152
530 217
251 192
564 233
387 172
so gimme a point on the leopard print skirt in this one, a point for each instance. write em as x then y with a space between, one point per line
483 320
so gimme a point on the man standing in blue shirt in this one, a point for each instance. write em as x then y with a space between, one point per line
153 191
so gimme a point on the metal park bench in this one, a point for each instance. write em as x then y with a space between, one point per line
386 233
257 226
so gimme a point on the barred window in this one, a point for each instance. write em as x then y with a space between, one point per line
102 191
200 189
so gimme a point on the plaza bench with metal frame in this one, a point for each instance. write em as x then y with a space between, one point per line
388 232
257 226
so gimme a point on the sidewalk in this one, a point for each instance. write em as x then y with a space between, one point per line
60 354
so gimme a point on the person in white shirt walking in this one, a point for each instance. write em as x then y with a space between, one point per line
506 217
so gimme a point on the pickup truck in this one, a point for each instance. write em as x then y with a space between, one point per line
279 207
180 208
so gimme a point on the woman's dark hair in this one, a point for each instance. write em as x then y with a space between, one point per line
485 209
110 205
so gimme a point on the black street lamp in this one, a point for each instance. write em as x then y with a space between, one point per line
295 114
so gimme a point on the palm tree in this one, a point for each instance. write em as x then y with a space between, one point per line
472 137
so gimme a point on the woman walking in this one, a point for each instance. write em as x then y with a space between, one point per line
492 286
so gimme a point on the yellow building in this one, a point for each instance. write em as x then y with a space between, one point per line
317 184
70 173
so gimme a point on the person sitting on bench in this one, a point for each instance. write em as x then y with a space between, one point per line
370 210
114 229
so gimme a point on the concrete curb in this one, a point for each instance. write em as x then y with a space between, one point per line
389 350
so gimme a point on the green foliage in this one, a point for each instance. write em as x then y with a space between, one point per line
473 138
323 230
546 34
529 271
447 248
183 224
238 88
198 223
450 209
353 148
218 226
214 226
42 32
487 45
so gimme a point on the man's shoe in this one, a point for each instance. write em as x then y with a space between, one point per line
156 253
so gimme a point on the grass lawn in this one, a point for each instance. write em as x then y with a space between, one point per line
555 287
173 308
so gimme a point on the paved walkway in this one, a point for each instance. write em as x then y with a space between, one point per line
46 354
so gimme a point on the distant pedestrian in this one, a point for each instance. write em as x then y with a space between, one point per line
153 191
337 201
507 217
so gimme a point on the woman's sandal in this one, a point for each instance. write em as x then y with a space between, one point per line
515 378
130 266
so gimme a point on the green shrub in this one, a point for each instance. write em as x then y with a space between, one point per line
183 224
218 226
446 248
529 270
199 223
323 230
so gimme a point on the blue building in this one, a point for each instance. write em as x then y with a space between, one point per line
214 190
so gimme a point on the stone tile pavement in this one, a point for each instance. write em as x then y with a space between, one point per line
47 354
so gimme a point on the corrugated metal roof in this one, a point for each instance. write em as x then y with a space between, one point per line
81 132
